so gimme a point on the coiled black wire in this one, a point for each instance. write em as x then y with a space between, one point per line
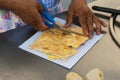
112 29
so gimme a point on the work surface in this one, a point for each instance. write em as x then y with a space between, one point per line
16 64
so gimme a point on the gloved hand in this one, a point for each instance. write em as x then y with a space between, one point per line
86 17
28 11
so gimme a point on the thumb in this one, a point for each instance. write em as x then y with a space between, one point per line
69 18
41 27
39 7
38 23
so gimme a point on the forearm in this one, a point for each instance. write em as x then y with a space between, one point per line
7 4
4 4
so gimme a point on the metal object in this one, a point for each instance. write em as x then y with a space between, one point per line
65 30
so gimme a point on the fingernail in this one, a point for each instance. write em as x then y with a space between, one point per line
87 33
98 33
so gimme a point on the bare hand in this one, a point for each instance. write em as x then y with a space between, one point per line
86 17
28 11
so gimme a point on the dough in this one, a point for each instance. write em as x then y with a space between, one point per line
95 74
73 76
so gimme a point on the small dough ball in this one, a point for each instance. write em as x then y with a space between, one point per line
73 76
95 74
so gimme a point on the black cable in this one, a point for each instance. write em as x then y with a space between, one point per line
112 29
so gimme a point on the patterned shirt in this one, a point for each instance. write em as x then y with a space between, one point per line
54 6
50 3
9 21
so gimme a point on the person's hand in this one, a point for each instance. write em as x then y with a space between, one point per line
28 11
79 8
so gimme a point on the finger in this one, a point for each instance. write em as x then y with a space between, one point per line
39 7
103 24
99 23
69 18
82 20
90 25
41 27
38 22
98 28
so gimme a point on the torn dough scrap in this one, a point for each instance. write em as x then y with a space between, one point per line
95 74
73 76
